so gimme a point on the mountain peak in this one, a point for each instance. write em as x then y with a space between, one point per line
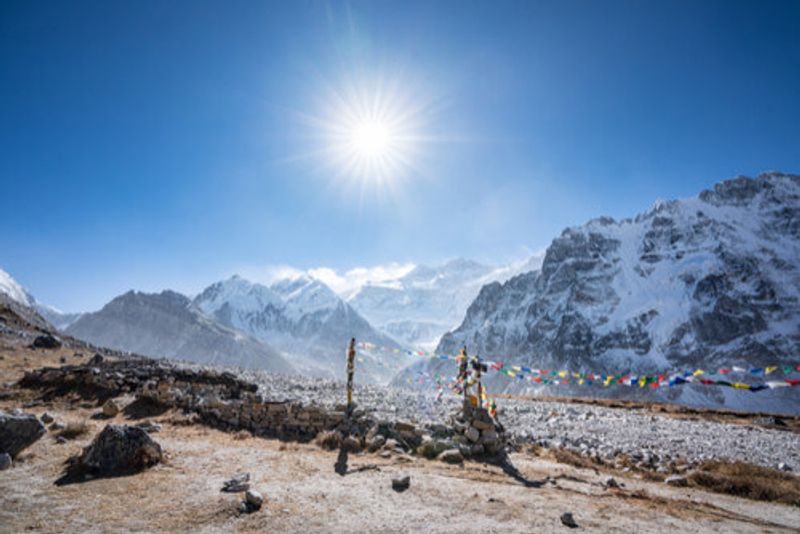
14 290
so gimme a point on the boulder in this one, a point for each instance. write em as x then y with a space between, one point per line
482 425
237 483
568 521
46 341
110 408
121 449
254 499
400 484
451 456
472 434
18 431
351 444
676 480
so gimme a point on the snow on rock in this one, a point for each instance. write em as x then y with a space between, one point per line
14 290
700 282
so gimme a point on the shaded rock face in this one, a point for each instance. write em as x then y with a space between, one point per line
19 431
121 449
705 281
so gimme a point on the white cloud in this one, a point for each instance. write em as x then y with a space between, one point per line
350 281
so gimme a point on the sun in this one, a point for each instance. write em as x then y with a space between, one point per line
369 134
371 139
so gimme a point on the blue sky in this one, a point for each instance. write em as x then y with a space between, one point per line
168 144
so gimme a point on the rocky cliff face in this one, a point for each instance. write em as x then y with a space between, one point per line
167 325
706 281
302 317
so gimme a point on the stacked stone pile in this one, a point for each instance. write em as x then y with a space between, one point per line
482 435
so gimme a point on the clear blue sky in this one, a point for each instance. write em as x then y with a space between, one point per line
166 144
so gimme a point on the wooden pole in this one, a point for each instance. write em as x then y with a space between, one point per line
462 374
351 364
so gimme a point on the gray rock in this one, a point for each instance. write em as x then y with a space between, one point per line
5 461
472 434
254 498
46 418
18 431
46 341
120 449
400 484
568 521
58 425
351 444
451 456
610 482
377 442
237 483
149 427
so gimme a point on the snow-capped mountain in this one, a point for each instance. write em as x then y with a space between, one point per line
167 325
14 290
420 306
20 295
302 317
707 281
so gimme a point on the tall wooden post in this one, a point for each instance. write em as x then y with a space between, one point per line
351 367
478 379
463 375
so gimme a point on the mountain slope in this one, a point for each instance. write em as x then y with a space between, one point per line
302 317
167 325
707 281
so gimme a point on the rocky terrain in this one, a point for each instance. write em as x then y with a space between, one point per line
705 282
187 429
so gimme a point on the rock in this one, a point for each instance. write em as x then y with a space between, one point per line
110 408
783 466
401 484
46 418
431 448
237 483
403 426
472 434
18 431
376 442
568 520
61 440
386 454
477 449
610 482
482 425
58 425
254 499
149 427
451 456
676 480
121 449
5 461
490 436
390 444
351 444
46 341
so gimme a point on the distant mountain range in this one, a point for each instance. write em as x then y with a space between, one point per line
707 281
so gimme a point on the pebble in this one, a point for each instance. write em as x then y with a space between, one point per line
568 520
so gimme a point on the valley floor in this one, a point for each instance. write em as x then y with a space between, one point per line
303 491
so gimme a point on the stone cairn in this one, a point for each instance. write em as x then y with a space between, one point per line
222 400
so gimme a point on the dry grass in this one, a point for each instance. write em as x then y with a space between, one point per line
747 480
74 430
329 440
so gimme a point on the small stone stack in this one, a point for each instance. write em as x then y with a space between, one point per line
479 435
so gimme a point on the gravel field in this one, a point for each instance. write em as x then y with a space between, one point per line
651 440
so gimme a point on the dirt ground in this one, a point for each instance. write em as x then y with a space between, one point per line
304 493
